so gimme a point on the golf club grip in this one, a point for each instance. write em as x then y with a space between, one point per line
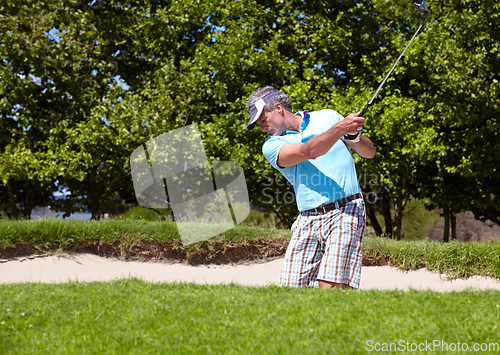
362 113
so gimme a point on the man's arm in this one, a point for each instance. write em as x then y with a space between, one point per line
294 153
364 147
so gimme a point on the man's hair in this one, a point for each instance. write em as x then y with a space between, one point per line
259 93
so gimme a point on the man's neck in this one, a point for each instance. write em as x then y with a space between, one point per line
295 121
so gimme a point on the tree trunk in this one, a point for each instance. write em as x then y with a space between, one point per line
98 212
14 211
386 210
373 219
446 234
453 219
398 218
29 202
95 196
95 206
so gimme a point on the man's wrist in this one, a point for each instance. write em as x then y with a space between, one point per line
354 138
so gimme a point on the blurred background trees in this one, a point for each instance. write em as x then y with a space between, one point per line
86 82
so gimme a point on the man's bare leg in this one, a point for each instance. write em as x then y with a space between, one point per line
330 285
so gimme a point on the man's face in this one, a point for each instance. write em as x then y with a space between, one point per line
272 122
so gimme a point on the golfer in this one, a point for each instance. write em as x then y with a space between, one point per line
310 150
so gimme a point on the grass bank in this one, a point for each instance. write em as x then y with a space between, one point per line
135 239
66 234
454 259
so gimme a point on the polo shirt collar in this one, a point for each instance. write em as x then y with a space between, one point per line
303 125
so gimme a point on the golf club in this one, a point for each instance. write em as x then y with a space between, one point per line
421 6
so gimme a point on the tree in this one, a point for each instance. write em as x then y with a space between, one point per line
457 81
86 83
29 108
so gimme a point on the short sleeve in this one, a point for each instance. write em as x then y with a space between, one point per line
333 117
271 149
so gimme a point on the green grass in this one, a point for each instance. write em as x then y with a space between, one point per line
135 317
454 259
66 234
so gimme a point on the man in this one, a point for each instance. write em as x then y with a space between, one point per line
311 150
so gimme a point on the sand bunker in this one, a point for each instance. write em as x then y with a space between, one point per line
89 267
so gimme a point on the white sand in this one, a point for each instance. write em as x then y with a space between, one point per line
88 267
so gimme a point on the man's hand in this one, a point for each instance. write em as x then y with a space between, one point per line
352 124
362 145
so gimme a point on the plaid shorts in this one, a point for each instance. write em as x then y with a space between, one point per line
326 246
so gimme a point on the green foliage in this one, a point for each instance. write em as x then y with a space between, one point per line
148 214
260 219
417 220
84 84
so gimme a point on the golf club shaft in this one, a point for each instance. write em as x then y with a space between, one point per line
392 68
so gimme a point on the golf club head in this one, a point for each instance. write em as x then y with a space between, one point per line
421 6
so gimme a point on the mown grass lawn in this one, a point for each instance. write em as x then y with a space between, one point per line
132 316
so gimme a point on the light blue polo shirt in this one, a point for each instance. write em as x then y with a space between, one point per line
319 181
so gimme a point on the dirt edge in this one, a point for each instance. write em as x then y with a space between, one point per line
150 250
